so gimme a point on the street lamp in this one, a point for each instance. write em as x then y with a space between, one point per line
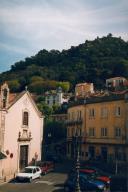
77 138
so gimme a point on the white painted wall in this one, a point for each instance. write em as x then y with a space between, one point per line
13 124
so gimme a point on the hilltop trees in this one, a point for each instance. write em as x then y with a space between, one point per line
92 61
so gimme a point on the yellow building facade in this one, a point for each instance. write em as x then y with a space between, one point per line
102 124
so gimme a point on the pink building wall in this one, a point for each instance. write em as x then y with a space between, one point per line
13 125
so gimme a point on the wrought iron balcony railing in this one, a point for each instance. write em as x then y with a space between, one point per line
74 122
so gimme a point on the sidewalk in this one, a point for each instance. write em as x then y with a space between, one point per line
2 181
6 179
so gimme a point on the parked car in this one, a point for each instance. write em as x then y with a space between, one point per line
46 166
29 173
97 170
85 184
93 174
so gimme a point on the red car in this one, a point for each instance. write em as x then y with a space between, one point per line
93 174
46 166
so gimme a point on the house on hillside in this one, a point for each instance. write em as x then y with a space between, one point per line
21 131
116 83
83 89
55 97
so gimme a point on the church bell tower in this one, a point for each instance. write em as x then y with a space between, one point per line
4 96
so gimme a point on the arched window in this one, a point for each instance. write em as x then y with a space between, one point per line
25 118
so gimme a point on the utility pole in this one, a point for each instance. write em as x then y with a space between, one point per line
77 187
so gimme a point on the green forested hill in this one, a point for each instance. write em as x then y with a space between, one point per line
92 61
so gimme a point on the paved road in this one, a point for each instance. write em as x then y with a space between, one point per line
52 182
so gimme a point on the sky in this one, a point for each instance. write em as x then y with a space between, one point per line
28 26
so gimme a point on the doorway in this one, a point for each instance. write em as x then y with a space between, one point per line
23 156
91 151
104 153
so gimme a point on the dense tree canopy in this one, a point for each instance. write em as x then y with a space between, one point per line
92 61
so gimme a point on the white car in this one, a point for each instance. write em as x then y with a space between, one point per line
29 173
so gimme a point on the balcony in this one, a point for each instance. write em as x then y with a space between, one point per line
82 140
74 122
107 140
69 139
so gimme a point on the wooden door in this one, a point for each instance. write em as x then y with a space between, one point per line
23 156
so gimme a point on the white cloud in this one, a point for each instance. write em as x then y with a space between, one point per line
23 22
30 26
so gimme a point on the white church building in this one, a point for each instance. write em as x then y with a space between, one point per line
21 131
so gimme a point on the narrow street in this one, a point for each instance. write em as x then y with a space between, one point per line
52 182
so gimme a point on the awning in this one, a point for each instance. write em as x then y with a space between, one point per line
2 156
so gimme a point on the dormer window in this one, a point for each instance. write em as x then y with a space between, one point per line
25 118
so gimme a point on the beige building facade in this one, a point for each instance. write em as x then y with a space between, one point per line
102 124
